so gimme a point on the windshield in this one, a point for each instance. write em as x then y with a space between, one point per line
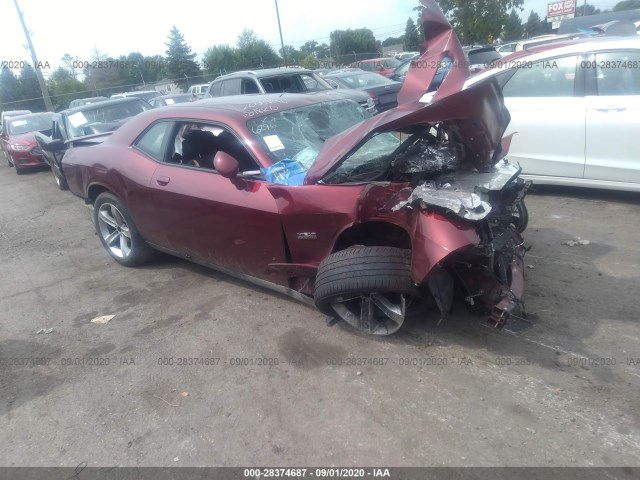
29 124
103 119
299 133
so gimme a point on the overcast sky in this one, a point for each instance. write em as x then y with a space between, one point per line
118 27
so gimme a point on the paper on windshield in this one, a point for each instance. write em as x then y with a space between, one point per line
169 101
78 119
273 142
19 123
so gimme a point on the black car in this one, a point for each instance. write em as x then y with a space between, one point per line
383 91
82 126
280 80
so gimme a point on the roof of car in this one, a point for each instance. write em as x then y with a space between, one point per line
348 72
29 115
105 103
264 72
258 102
375 59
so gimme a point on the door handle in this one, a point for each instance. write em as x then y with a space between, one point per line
162 181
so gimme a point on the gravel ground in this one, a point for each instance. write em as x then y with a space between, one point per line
564 393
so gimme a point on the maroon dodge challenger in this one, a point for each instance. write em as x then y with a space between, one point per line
307 194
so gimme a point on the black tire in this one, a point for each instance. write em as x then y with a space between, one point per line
61 182
360 271
9 161
135 251
19 171
520 218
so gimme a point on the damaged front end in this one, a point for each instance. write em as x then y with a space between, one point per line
489 269
435 166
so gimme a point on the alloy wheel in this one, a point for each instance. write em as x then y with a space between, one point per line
114 230
374 313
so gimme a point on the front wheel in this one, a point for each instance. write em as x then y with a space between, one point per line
118 234
367 287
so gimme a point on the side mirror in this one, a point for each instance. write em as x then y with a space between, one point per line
55 146
226 165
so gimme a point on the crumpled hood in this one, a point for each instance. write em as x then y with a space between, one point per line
477 115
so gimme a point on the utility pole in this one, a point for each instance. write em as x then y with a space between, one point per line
36 66
284 55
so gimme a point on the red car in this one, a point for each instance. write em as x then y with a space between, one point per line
311 196
383 66
19 141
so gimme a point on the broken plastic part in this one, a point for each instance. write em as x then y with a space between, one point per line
462 192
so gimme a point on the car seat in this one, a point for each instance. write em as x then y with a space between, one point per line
198 149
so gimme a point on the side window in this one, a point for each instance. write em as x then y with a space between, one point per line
618 73
214 91
196 145
249 86
153 141
548 78
231 87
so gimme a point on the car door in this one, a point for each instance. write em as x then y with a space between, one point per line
613 118
231 224
548 111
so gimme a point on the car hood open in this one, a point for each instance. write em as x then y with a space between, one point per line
477 114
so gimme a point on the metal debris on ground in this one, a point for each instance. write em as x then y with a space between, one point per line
45 331
102 319
531 267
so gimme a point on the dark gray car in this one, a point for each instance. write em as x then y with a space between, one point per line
280 80
383 91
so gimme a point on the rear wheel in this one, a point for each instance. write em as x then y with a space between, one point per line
367 287
117 232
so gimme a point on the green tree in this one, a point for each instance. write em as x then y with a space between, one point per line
393 41
534 25
10 93
30 90
411 39
292 56
181 66
310 62
476 21
626 5
352 45
309 48
220 59
323 51
513 29
64 87
255 52
586 9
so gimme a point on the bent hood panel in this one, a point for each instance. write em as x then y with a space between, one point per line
476 115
